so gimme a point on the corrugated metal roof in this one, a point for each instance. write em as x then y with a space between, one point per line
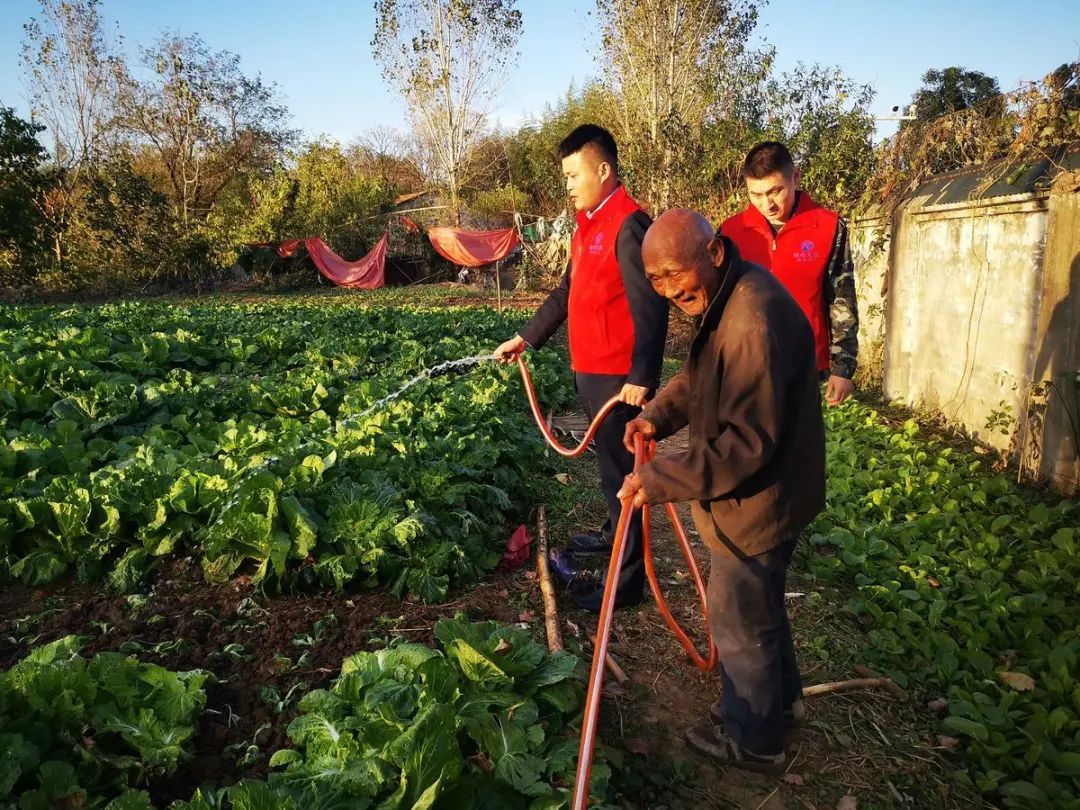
1010 179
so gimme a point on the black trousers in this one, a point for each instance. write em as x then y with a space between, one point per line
750 627
615 464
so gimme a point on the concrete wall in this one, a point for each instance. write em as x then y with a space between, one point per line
1051 448
871 255
981 303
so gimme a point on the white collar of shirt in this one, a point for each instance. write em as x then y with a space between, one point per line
595 211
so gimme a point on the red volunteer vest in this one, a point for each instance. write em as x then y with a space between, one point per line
598 315
798 256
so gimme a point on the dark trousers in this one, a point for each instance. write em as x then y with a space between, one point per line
750 628
615 464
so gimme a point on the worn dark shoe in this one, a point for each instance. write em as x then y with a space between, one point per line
794 718
591 542
588 594
566 567
710 740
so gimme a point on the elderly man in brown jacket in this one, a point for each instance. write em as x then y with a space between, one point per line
753 471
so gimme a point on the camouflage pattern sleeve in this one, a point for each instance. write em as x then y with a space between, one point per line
843 308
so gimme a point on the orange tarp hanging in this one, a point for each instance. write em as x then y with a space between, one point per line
473 248
368 273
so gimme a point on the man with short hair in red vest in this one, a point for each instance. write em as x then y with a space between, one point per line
806 248
617 327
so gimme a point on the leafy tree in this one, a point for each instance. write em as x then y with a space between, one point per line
448 59
667 62
824 117
821 114
22 183
953 89
132 231
325 192
70 70
207 122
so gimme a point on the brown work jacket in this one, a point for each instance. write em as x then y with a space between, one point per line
754 471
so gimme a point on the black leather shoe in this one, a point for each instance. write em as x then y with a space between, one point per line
592 542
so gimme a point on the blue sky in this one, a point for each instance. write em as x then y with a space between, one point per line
318 51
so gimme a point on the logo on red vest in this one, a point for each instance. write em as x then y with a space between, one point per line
806 252
597 245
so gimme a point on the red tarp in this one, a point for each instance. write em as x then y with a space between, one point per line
285 250
368 273
473 248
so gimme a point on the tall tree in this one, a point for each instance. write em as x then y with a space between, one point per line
824 117
448 59
821 114
22 184
208 122
70 67
953 89
668 62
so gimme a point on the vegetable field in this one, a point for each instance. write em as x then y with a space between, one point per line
241 436
966 586
231 576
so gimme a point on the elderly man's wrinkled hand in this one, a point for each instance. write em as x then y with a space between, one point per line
634 489
635 426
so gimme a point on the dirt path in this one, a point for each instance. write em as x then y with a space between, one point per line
865 744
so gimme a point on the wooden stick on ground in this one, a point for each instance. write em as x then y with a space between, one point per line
547 591
890 686
551 613
855 683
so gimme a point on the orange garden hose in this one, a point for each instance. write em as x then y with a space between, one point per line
644 452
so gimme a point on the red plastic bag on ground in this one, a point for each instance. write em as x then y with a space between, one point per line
518 549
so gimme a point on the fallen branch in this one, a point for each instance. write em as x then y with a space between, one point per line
547 590
855 683
890 686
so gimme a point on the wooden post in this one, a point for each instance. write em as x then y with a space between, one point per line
498 286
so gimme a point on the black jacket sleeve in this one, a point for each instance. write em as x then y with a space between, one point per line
550 316
648 309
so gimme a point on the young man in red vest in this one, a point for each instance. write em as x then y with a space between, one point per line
617 328
806 248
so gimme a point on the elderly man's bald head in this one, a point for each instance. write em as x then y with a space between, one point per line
681 255
680 234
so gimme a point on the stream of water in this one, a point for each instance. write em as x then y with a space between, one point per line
427 374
